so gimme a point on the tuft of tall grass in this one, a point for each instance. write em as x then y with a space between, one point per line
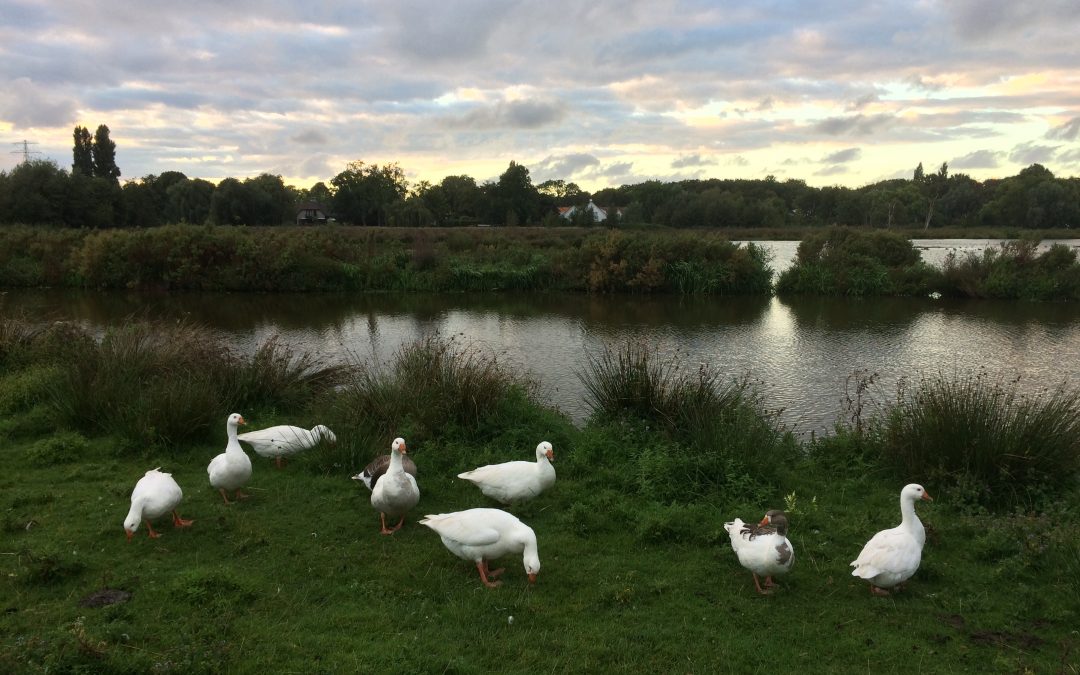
149 382
24 342
168 383
634 379
277 375
435 387
985 438
722 439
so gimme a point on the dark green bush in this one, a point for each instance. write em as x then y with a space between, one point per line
1015 271
358 259
845 261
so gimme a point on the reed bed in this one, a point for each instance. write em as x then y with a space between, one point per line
157 383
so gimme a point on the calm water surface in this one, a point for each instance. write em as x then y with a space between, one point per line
801 350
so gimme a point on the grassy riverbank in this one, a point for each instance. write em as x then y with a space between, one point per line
182 257
834 261
637 574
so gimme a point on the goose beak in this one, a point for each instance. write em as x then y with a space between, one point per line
926 496
241 421
129 534
403 450
532 578
358 476
765 521
551 455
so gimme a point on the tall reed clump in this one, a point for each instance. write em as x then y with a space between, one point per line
1015 270
984 438
169 383
435 387
149 383
719 431
278 375
845 261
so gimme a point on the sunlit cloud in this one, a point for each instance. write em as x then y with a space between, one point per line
602 94
1066 132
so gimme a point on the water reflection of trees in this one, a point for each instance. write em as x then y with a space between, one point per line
847 313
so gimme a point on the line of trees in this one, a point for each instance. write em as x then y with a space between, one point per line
40 192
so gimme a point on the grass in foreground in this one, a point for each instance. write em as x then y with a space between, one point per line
298 579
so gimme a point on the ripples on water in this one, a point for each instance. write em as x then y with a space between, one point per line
801 350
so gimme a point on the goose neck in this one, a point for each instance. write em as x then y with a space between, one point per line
907 511
395 462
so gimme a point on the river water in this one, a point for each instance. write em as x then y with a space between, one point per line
800 350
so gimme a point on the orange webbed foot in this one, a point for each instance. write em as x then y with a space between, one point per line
177 521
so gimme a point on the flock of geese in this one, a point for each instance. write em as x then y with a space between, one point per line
482 535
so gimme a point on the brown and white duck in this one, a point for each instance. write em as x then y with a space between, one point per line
378 466
765 549
396 493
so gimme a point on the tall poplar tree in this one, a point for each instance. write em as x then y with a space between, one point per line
104 153
83 157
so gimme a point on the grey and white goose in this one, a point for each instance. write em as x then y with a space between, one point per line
763 549
378 466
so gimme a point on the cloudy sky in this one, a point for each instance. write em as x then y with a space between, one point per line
599 93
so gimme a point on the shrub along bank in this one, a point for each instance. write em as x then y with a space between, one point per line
184 257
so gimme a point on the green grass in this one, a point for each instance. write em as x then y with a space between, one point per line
298 579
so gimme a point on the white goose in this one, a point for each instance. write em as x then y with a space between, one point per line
482 535
512 482
231 469
154 495
396 493
284 440
892 556
765 549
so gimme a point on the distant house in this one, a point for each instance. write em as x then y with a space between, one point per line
599 213
311 213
